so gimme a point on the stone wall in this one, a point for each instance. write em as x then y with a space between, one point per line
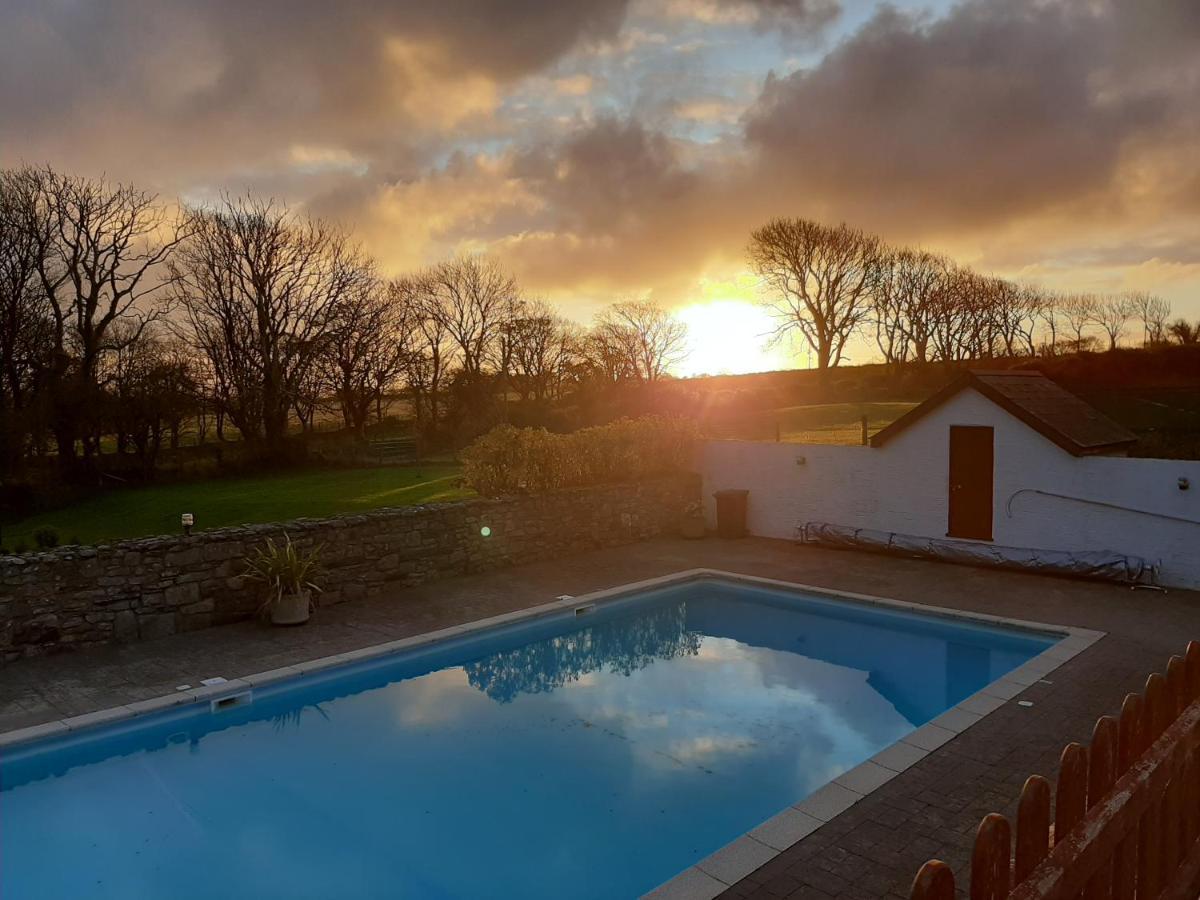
81 596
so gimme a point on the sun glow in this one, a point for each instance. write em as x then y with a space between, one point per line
729 337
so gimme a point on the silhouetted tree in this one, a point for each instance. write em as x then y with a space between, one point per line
100 250
1111 313
261 289
819 280
645 338
1152 311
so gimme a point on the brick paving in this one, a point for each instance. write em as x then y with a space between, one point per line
870 851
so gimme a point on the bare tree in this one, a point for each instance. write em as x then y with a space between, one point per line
820 279
424 344
1050 312
543 349
1078 311
1013 311
26 328
100 251
149 389
1152 311
888 307
261 290
1111 313
1184 332
962 322
649 338
473 298
365 355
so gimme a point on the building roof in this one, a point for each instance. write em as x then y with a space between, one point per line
1030 396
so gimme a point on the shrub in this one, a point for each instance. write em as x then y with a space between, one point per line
510 460
46 537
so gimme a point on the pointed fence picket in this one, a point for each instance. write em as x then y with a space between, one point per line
1126 811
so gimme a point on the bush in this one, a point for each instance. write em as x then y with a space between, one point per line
510 460
46 537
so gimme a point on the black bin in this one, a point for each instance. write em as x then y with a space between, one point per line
731 513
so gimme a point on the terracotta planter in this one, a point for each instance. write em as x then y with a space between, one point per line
292 609
692 527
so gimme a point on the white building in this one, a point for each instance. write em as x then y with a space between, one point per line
1000 458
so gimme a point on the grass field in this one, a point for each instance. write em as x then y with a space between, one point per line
235 501
835 423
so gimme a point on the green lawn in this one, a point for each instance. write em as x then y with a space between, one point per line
235 501
835 423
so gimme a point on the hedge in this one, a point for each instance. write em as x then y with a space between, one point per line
510 460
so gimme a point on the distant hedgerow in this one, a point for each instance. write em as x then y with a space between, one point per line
510 460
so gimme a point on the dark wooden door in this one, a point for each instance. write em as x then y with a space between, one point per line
970 482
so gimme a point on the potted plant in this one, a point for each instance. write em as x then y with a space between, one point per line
691 525
289 577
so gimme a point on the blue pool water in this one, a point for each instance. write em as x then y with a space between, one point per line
590 757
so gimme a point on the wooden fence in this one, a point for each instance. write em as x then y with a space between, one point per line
1126 811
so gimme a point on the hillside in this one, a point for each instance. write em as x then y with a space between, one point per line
1155 392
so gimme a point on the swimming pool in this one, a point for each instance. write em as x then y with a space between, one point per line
592 753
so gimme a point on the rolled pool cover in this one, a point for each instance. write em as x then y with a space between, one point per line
1106 565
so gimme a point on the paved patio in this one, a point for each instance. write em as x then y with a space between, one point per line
873 849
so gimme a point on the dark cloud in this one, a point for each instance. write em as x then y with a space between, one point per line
605 177
993 111
1080 116
997 122
228 78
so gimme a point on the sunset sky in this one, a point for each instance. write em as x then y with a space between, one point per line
619 148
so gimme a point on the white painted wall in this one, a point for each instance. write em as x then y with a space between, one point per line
902 487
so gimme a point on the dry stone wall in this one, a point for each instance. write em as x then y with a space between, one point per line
138 589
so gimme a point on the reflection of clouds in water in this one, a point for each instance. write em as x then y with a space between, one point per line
438 698
716 704
676 698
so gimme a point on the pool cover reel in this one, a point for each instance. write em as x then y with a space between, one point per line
1106 565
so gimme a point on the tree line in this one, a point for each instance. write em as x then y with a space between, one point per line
831 284
126 317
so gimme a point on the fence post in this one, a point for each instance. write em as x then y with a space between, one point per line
1155 713
934 881
1191 801
1158 714
1070 801
990 859
1176 686
1191 660
1033 826
1131 742
1130 746
1102 774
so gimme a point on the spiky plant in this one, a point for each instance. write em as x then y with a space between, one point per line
283 569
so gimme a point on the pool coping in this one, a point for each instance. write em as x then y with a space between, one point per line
728 865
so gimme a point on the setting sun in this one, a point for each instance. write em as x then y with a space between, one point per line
729 337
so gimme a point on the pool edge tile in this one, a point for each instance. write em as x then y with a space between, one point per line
786 828
956 719
929 737
828 801
737 859
690 884
159 703
900 757
271 676
981 704
57 728
866 777
100 717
